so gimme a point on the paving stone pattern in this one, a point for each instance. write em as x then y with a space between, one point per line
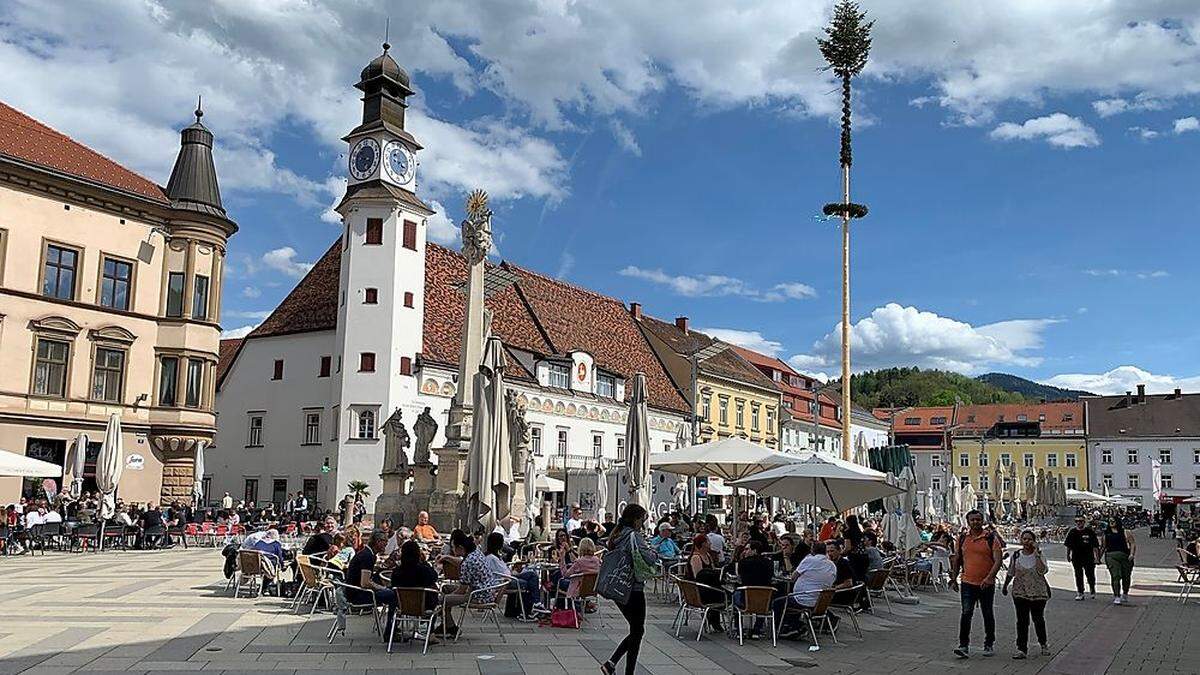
168 611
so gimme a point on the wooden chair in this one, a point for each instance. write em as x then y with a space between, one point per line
344 607
451 569
314 583
756 602
848 602
877 584
485 602
692 603
411 608
587 591
251 568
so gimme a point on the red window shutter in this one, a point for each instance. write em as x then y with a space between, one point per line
366 362
408 299
410 235
277 374
405 365
374 231
326 363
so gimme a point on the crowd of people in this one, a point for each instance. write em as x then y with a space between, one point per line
25 520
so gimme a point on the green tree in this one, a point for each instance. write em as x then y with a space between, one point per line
358 488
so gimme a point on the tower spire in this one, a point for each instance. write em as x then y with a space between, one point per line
199 107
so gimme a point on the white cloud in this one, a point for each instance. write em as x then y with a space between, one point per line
284 260
1186 124
625 138
894 335
237 332
1122 379
566 263
1081 310
1115 106
251 292
1156 274
1111 272
439 227
716 285
1145 133
750 339
242 314
1059 129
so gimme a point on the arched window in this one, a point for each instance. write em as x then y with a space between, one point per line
366 424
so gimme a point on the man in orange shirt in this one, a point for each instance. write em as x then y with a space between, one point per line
424 531
978 557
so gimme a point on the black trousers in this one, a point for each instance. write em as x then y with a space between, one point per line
1082 568
1027 609
634 612
984 597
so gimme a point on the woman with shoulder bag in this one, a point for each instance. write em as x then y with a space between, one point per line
1030 591
626 542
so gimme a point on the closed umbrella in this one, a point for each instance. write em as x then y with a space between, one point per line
1062 490
21 466
1015 478
970 499
910 534
823 481
1105 489
601 492
1030 491
950 498
198 475
532 492
637 444
108 466
1041 487
78 459
489 466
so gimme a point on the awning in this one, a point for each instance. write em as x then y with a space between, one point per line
12 464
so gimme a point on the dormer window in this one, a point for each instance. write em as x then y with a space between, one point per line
558 375
606 385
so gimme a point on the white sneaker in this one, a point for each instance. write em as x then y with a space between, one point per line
1079 596
1117 600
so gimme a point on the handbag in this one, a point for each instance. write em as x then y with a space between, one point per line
643 570
564 618
616 577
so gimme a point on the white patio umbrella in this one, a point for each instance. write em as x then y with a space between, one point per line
1062 490
970 499
601 492
78 459
729 459
545 483
489 464
910 534
1031 489
824 481
21 466
109 463
198 475
930 507
950 498
1017 493
637 444
1084 497
1105 489
533 502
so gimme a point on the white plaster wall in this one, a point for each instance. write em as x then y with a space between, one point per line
1182 469
249 387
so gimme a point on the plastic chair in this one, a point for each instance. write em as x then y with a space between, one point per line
252 566
692 603
756 601
587 591
313 583
411 608
814 616
850 606
877 584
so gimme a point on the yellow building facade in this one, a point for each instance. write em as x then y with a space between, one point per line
731 408
1042 436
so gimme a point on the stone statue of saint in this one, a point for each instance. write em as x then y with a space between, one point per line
679 495
518 431
477 228
425 428
396 442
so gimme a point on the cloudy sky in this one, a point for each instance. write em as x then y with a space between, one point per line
1026 163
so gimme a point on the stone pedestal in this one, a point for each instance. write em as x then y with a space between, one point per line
390 502
458 426
441 495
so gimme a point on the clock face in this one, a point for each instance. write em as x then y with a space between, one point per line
399 163
364 159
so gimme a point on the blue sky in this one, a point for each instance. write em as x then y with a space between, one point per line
1029 166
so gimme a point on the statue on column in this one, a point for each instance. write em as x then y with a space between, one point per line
425 428
477 228
396 442
679 495
518 430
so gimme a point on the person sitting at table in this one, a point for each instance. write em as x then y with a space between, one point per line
845 577
1192 553
319 543
608 524
526 581
268 544
814 574
792 552
538 533
703 570
942 536
664 544
587 563
413 571
575 521
562 555
874 556
347 548
754 569
360 573
424 532
52 516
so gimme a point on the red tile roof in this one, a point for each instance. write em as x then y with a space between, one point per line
537 314
727 364
1063 417
796 399
225 354
27 140
922 419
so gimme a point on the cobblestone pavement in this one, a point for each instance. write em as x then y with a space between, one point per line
138 612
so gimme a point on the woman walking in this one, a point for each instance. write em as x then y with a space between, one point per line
627 537
1030 591
1118 549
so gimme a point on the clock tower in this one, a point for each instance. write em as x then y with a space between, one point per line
382 283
